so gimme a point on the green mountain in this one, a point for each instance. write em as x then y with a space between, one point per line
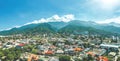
58 25
75 27
30 29
105 27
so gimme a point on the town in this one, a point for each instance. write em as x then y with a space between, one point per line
59 47
59 30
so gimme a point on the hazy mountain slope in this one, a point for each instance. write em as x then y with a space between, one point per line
74 26
105 27
58 25
39 28
82 30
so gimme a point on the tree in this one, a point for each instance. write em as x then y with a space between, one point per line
34 51
10 57
90 58
77 59
64 58
85 59
1 55
118 59
6 51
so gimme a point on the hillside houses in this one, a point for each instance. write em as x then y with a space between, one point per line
75 46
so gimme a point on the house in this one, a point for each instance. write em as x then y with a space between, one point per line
49 52
112 54
59 51
8 45
60 43
111 47
20 46
94 52
53 59
78 49
33 57
1 44
101 58
91 53
87 49
52 47
41 47
69 51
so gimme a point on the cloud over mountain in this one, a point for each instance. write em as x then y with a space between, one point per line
54 18
115 20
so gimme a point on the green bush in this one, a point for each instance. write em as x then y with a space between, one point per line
64 58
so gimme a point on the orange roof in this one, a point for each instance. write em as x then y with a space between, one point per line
91 53
33 56
103 58
49 52
52 46
78 49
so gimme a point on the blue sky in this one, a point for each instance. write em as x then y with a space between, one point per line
19 12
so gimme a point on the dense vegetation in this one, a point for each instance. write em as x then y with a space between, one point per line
75 27
14 53
64 58
39 29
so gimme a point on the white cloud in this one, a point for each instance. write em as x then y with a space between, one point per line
17 26
115 20
6 29
54 18
108 5
101 9
11 28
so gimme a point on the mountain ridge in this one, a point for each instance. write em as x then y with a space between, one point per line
53 27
